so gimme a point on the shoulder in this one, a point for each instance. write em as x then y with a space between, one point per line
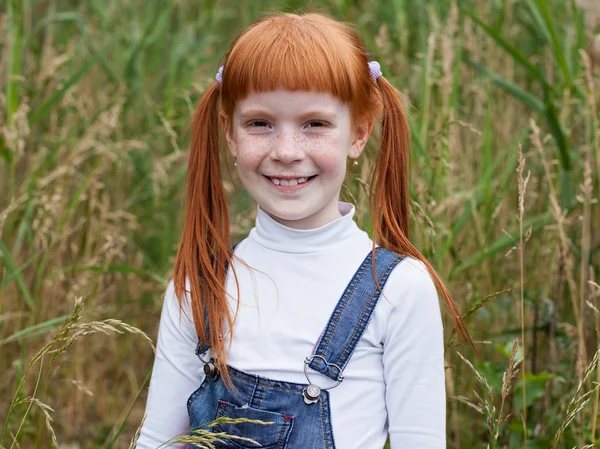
410 275
410 296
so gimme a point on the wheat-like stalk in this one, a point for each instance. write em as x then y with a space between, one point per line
46 409
61 334
136 435
486 406
507 378
577 403
206 439
105 327
522 187
65 336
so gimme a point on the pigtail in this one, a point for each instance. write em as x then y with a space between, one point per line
390 201
204 249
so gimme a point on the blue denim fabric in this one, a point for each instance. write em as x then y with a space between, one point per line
296 424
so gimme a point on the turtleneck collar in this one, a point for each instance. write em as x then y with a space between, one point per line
273 235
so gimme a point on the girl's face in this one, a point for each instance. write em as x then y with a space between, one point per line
291 149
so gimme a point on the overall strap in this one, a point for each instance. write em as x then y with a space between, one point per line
201 348
352 314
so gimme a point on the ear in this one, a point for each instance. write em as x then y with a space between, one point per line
361 136
227 126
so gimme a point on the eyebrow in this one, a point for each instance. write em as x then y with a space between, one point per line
316 113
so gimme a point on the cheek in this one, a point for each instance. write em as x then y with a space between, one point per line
329 153
251 152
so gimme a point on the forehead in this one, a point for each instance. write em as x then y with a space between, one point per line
285 103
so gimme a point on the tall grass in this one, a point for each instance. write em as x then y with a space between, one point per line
96 99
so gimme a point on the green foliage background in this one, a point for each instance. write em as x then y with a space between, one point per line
96 100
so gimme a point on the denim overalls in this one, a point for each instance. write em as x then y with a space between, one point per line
300 413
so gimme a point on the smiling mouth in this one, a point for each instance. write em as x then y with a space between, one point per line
290 182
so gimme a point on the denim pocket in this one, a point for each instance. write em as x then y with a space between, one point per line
196 393
268 436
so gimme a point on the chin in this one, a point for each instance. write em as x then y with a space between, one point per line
288 216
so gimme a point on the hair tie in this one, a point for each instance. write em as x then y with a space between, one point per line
375 69
219 76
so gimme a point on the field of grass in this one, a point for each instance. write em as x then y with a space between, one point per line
95 100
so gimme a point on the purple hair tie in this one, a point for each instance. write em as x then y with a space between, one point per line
375 69
219 76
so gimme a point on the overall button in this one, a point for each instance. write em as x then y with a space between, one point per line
311 394
211 371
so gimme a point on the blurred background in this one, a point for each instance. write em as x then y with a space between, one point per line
96 97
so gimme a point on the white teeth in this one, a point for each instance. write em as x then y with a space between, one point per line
288 182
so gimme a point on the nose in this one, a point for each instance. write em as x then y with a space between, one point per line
287 148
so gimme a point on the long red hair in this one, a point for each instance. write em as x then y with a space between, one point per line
294 52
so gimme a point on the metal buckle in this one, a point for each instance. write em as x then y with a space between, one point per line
312 392
210 368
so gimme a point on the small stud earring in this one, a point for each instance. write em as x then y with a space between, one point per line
235 164
355 163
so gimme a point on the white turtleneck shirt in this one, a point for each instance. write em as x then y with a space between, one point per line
394 381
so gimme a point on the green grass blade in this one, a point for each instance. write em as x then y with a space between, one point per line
15 33
117 429
43 110
35 330
25 226
12 269
526 98
557 131
504 242
538 20
559 54
516 54
489 175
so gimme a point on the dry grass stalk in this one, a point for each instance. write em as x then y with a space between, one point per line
593 296
66 335
485 406
105 327
593 136
522 186
564 247
46 409
207 438
451 391
578 402
137 433
478 305
586 199
507 378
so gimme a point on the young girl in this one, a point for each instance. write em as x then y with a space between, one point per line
291 326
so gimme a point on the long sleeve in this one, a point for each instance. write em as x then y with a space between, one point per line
413 359
176 375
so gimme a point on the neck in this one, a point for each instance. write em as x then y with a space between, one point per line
275 235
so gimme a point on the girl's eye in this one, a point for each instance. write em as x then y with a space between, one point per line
259 123
317 124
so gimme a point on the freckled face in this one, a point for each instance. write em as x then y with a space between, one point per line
291 149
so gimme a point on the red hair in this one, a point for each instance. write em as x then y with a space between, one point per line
293 52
